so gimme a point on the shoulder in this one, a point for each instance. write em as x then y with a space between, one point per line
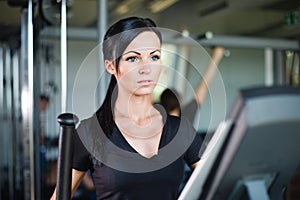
90 132
179 125
180 135
88 123
178 121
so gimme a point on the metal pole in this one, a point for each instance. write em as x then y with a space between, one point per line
181 69
102 19
251 42
64 54
27 101
269 67
31 96
17 117
9 122
102 24
222 40
1 119
67 123
279 68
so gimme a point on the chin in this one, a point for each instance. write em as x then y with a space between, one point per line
143 91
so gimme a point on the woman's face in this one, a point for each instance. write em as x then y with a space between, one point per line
140 65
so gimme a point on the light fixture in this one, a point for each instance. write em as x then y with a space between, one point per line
206 35
125 6
160 5
185 33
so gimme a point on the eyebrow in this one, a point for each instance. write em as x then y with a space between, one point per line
157 50
152 52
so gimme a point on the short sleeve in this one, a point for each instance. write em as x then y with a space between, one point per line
189 111
81 157
192 155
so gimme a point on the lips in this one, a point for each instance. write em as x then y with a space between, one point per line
145 82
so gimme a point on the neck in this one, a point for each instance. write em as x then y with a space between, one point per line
135 107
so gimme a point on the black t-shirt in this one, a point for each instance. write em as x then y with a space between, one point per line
189 110
157 177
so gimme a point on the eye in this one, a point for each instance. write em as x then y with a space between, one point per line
131 59
155 58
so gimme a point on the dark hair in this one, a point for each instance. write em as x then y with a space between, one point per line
44 97
115 41
169 100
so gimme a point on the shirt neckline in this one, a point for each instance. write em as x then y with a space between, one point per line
162 139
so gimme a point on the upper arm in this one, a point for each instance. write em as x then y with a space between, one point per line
192 155
77 177
81 156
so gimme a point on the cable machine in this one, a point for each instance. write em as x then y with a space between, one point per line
10 120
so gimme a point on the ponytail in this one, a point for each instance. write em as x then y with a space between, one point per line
105 112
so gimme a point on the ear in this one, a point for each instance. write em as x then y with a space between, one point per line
110 67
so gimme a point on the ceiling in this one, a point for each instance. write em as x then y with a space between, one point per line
258 18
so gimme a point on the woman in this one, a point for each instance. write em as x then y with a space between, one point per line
143 150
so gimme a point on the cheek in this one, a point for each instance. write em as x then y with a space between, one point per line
157 70
127 68
125 75
123 71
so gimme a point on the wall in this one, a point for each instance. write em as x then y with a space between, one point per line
243 68
83 77
77 53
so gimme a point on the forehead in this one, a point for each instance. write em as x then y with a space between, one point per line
145 40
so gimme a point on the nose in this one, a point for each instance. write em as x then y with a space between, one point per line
144 69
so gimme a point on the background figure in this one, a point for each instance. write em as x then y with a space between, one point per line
48 170
44 104
171 100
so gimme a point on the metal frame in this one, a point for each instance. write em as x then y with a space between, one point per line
101 29
27 96
9 121
1 116
64 56
223 40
